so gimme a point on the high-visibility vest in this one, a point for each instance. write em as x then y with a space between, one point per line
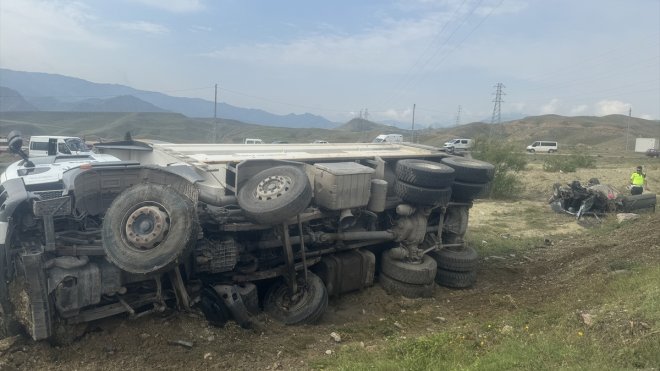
637 179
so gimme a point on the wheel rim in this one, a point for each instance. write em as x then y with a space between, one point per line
273 186
291 303
146 226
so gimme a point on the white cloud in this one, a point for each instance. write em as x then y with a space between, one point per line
611 107
174 6
389 48
201 29
26 21
399 115
550 107
579 110
142 26
33 33
516 106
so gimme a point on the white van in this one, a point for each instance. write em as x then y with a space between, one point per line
388 138
47 145
548 146
459 144
253 141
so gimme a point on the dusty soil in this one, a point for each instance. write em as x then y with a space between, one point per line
366 317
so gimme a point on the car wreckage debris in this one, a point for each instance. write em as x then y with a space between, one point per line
597 199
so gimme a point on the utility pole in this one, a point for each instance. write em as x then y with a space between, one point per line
215 115
458 116
628 130
412 132
366 113
497 118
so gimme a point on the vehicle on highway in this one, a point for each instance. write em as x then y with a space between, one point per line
232 229
388 138
543 146
460 144
652 152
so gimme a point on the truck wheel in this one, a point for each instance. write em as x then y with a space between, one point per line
422 196
462 191
464 260
639 202
469 170
409 290
275 194
148 227
456 280
424 173
418 274
304 307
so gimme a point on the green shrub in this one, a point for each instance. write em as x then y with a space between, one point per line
507 159
568 164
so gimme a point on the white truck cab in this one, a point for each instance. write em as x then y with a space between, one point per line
388 138
46 145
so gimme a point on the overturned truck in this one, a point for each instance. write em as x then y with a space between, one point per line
232 229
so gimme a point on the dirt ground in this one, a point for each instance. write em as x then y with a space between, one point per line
366 317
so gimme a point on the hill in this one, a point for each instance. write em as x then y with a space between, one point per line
607 132
51 92
11 100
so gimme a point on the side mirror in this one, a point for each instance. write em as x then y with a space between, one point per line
15 141
15 145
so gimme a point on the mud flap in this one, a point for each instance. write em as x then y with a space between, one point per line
38 313
234 302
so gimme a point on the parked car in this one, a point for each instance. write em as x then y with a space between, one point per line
652 152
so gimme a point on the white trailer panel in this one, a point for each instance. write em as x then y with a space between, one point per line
644 144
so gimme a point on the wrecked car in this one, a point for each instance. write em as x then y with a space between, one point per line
232 229
597 199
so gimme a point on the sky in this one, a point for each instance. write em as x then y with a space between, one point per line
344 58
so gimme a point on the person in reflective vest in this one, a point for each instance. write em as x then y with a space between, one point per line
638 182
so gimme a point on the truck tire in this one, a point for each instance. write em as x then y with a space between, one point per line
417 274
456 280
409 290
424 173
306 307
464 260
469 170
639 202
422 196
275 195
463 191
148 227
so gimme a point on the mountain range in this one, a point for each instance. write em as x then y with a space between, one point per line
33 91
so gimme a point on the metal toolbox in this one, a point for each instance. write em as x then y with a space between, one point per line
342 185
346 272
